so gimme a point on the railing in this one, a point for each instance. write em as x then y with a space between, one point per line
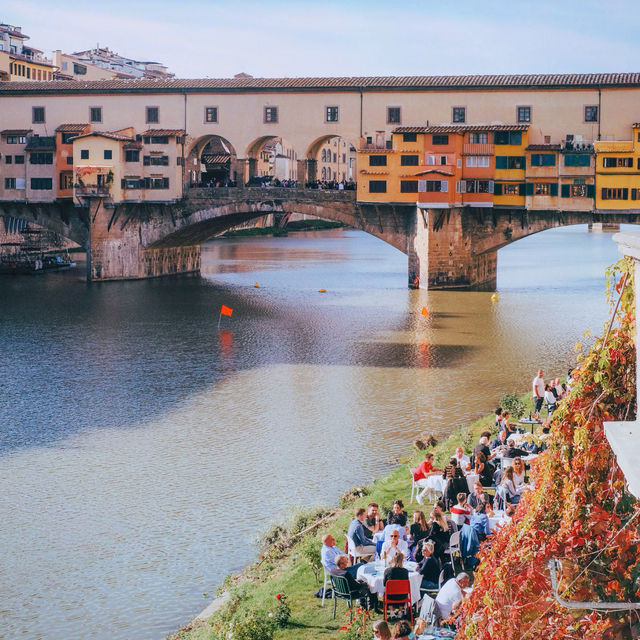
91 190
477 149
374 147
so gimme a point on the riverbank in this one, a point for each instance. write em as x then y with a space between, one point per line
290 559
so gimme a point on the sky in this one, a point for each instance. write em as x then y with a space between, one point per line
219 38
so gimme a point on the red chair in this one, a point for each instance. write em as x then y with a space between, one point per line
396 593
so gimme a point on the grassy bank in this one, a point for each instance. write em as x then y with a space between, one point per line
297 225
285 567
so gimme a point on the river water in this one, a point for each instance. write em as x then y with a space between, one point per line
142 449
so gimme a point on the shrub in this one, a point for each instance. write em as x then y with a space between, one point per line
251 625
310 552
513 404
283 611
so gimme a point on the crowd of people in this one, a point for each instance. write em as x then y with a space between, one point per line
499 464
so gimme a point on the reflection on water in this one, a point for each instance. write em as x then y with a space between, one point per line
135 435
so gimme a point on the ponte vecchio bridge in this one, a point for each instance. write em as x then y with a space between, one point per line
149 221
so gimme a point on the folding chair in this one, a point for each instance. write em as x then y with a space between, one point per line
327 580
454 547
341 591
354 553
397 588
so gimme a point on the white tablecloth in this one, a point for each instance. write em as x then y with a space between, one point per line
497 520
374 579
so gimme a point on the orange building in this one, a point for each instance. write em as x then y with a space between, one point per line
65 134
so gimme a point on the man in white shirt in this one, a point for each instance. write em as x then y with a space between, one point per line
463 460
393 545
451 594
538 392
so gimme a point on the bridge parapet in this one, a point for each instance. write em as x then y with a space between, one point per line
258 194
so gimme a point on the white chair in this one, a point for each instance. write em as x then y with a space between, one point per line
416 485
353 552
454 547
500 499
327 580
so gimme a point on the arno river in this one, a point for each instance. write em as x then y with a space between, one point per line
142 450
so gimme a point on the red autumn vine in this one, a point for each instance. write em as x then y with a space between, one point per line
579 511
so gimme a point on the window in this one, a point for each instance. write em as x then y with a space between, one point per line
577 160
108 154
543 160
332 114
510 162
578 190
324 155
69 159
9 183
511 189
436 186
131 183
377 186
524 114
19 159
507 137
459 114
477 161
95 114
442 139
79 69
41 184
393 115
591 114
12 139
66 180
377 161
156 139
541 188
37 115
8 159
618 162
478 137
132 155
409 137
68 136
615 194
408 186
271 114
335 158
478 186
158 161
211 114
41 158
409 161
153 115
157 183
84 154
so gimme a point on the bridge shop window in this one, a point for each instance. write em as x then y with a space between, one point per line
19 159
408 137
331 114
477 161
157 183
617 162
479 137
211 114
393 115
433 186
543 159
509 189
524 114
8 159
459 114
108 154
41 184
41 158
156 139
409 161
66 180
511 162
377 161
131 183
95 114
271 114
84 154
507 137
156 160
615 194
37 115
408 186
377 186
9 183
578 190
68 136
591 113
132 155
440 139
477 186
577 160
152 115
544 189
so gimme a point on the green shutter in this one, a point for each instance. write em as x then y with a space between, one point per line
566 190
553 189
501 162
529 188
521 189
548 160
497 189
625 194
591 191
515 137
524 162
536 160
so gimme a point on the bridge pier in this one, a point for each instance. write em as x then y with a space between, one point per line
441 255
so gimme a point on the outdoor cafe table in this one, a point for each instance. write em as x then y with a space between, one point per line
439 484
372 574
530 422
497 519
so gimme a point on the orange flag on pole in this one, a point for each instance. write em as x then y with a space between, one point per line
425 312
226 311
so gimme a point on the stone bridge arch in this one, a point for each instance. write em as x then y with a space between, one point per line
216 155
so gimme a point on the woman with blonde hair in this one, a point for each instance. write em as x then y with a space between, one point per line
439 530
512 492
518 472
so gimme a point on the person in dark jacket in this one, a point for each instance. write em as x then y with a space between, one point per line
397 515
395 571
429 566
357 589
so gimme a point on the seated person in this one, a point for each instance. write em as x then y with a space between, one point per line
439 530
506 424
452 470
397 515
372 522
518 472
425 469
395 527
401 630
329 553
512 492
381 630
451 595
461 459
461 512
480 520
395 571
429 567
356 533
419 529
500 441
357 589
512 451
484 469
394 545
478 495
482 447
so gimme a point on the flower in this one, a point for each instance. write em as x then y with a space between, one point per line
278 596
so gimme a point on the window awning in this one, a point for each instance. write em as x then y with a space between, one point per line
624 438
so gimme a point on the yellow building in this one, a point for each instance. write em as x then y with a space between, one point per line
20 62
618 172
509 146
337 159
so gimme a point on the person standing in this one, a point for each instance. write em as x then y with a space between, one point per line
538 392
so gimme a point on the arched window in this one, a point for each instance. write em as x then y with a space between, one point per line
324 155
324 173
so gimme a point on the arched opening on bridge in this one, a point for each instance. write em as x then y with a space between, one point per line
273 160
332 160
212 163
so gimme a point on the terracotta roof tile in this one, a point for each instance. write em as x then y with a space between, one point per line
164 132
15 132
462 128
345 83
543 147
71 128
106 134
442 172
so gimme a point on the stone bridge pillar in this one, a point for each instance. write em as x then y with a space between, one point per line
306 171
116 250
440 250
238 170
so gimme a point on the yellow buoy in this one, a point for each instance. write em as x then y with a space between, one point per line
256 285
323 291
494 297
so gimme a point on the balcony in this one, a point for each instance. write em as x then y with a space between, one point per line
91 191
477 149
